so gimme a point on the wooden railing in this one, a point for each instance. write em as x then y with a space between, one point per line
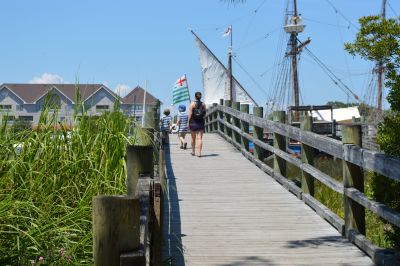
232 121
127 229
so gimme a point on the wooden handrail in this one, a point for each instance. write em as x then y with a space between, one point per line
135 219
378 162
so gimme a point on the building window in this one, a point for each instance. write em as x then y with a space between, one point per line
20 107
6 107
102 108
138 107
9 118
25 118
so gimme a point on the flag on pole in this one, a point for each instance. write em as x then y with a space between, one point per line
227 32
180 92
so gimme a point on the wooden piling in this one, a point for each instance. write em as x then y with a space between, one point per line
236 123
258 134
215 117
116 228
307 154
279 143
139 159
353 177
158 199
227 119
244 126
221 128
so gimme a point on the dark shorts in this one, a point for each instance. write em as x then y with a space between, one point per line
196 125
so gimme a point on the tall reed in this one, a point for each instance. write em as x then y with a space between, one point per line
46 190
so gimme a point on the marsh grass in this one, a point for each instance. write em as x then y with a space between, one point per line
375 227
47 189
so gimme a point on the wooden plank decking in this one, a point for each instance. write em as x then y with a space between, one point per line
223 210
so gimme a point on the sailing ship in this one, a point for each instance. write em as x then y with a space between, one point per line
218 81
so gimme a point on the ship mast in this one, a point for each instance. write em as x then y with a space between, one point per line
230 67
293 39
294 26
380 65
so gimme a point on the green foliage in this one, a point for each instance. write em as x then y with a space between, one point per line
379 40
339 104
393 82
21 125
46 190
389 137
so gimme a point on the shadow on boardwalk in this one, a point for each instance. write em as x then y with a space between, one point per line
333 241
173 252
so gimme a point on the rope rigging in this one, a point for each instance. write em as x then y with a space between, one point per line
335 79
249 75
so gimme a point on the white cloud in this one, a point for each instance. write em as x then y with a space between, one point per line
47 78
122 89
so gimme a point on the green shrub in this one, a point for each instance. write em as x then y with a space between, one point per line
46 190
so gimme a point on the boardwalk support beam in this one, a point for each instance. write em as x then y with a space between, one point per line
116 228
279 143
221 116
353 177
244 126
139 159
227 119
307 155
258 134
236 122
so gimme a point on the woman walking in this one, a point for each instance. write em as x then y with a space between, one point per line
197 112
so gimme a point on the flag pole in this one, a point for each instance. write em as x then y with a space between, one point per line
187 83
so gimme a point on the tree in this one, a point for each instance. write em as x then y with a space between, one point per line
379 40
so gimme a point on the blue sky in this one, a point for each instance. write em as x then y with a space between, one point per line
123 43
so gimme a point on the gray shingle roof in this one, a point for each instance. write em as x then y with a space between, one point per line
137 96
30 93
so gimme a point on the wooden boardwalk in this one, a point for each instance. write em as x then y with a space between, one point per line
223 210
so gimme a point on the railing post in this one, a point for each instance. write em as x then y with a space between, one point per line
244 126
156 129
236 123
116 228
139 159
307 154
221 128
214 116
227 119
353 177
258 134
158 199
279 143
208 117
207 128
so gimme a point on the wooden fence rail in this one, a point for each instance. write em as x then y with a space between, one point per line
232 121
127 229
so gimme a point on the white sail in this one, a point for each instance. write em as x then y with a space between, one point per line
216 78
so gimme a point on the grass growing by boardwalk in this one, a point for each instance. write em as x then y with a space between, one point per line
46 190
375 227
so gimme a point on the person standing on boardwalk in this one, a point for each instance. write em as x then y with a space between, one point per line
182 124
165 122
197 112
